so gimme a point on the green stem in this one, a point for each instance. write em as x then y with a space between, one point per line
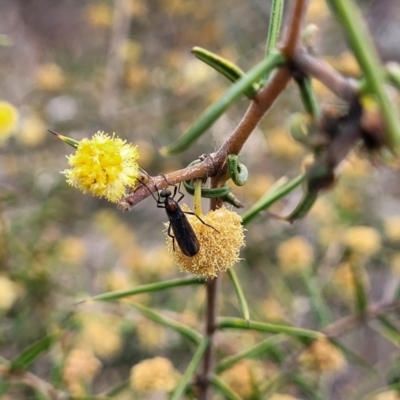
240 295
274 27
212 113
237 323
190 371
270 198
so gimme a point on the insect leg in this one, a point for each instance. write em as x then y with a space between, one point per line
171 236
205 223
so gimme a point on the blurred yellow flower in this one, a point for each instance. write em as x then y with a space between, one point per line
282 145
295 254
395 264
316 10
72 250
363 240
151 336
130 50
273 310
8 293
242 378
322 357
137 76
50 77
387 395
103 165
392 228
345 63
80 367
33 131
356 167
8 120
219 250
99 15
277 396
101 336
154 375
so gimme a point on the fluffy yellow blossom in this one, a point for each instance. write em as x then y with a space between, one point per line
154 375
72 250
151 336
273 310
387 395
50 77
103 165
102 337
277 396
242 378
8 293
392 228
79 369
8 120
322 357
282 145
99 15
363 240
33 131
219 249
295 254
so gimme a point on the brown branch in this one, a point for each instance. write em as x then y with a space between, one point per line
341 86
294 28
33 381
352 321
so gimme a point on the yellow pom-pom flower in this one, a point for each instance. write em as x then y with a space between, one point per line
219 247
154 375
8 120
103 165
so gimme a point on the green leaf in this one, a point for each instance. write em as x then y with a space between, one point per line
274 27
152 287
237 323
319 305
361 296
191 370
212 113
278 191
389 330
240 295
155 316
305 387
307 96
254 351
224 389
28 356
225 67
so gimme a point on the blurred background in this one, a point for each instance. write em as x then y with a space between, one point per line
125 66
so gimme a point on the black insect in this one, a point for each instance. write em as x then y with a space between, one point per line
178 222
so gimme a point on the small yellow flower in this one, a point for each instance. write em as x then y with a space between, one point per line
154 375
388 395
219 250
33 131
103 165
242 378
8 120
295 254
79 369
363 240
392 228
50 77
99 15
322 357
8 293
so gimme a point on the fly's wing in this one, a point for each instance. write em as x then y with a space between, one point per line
184 233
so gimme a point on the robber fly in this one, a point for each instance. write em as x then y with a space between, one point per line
183 232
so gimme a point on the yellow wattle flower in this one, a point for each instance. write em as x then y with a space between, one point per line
103 165
8 120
